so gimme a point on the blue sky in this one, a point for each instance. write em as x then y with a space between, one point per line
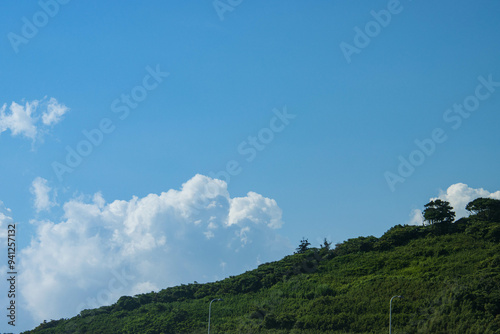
233 67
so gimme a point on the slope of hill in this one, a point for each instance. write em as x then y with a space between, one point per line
448 274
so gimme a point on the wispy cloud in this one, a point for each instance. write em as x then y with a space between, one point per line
24 120
5 219
20 120
54 112
41 192
416 217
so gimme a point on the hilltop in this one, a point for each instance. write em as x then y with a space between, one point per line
447 273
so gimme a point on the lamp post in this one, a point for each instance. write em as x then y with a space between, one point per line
209 310
390 312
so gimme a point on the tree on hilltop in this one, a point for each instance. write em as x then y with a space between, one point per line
439 211
303 247
485 208
326 245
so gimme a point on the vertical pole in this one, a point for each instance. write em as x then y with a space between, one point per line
209 310
390 316
390 313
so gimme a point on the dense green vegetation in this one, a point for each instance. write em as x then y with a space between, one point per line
448 274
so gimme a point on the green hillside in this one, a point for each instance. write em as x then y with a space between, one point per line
448 274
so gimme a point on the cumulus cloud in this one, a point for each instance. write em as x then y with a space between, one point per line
41 191
24 119
100 251
255 208
459 195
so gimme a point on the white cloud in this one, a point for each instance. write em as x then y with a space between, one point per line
5 220
41 190
23 120
101 251
20 121
460 194
416 217
255 208
54 112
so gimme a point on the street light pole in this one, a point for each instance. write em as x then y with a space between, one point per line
390 312
209 310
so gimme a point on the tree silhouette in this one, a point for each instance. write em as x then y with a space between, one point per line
326 245
439 211
303 247
485 208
